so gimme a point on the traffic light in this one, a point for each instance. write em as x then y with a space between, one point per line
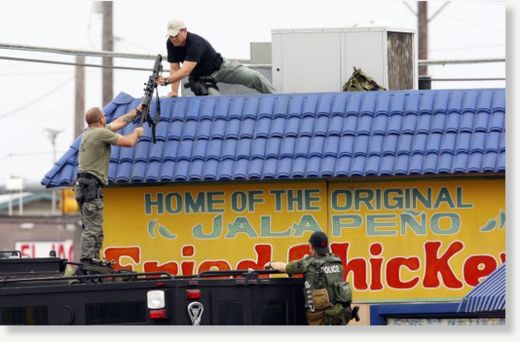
68 202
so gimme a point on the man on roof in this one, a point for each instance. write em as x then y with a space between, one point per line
203 65
94 157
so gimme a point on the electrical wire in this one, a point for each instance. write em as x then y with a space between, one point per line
34 73
38 99
72 63
474 25
474 47
76 52
26 154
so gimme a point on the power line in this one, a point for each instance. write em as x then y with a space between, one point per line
123 40
70 63
421 62
29 73
61 85
473 24
460 61
438 11
474 47
469 79
26 154
76 52
146 57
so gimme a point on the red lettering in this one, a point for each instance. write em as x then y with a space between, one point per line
299 251
436 265
373 273
25 250
358 266
70 252
187 267
188 250
263 255
376 265
503 257
61 251
393 272
116 253
153 266
473 270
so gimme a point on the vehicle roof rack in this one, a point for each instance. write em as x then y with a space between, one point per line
130 276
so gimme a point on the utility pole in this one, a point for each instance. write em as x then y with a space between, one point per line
107 45
79 104
422 23
425 81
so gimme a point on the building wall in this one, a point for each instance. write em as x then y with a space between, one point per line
400 240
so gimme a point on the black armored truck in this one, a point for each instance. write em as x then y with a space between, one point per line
37 291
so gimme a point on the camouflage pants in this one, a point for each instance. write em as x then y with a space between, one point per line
92 224
233 72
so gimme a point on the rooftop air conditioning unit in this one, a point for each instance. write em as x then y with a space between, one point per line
322 60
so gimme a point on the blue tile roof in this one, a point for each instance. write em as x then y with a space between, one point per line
490 295
315 135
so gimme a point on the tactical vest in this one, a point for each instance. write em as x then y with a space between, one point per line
326 273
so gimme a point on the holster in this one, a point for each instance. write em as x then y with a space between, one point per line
199 85
335 315
89 189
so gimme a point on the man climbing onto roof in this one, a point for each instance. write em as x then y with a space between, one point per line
93 157
204 66
328 297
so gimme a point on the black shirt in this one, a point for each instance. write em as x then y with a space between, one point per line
196 49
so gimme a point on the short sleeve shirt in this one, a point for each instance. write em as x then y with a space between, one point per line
196 49
94 151
299 266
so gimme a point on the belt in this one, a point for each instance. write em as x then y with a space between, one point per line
89 176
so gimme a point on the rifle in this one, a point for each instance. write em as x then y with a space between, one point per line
148 94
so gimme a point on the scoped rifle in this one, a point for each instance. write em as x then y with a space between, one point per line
148 94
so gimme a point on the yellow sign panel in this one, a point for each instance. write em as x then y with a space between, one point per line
418 240
398 240
187 229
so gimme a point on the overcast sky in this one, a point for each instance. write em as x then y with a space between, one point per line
35 96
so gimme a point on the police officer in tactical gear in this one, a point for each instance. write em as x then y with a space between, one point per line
203 65
93 159
327 296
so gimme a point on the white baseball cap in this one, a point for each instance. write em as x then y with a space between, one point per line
174 26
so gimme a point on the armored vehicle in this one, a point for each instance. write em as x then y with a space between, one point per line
38 291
